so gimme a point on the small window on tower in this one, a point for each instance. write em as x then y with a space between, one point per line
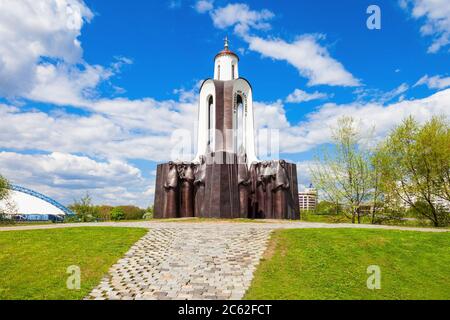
218 72
232 72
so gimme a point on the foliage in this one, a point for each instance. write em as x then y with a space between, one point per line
132 212
9 207
332 264
117 214
33 263
328 208
85 210
4 188
148 213
409 169
346 176
415 168
104 212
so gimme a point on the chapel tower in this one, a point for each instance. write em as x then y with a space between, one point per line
226 179
226 121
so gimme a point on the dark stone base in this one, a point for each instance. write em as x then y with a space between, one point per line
268 191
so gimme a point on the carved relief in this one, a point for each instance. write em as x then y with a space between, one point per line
171 190
199 187
244 186
187 178
281 187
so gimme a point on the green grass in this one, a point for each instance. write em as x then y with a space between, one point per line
332 264
332 218
33 264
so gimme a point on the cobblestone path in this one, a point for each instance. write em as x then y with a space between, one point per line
207 262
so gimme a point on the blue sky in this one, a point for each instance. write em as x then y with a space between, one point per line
90 92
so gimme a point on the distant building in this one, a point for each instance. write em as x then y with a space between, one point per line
308 199
29 205
436 201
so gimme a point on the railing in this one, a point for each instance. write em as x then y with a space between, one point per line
42 197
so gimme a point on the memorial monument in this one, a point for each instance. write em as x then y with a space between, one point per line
226 179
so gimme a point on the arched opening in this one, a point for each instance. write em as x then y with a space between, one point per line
210 123
239 144
233 72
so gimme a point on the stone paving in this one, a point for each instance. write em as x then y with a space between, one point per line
215 262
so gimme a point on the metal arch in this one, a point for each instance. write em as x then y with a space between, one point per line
42 197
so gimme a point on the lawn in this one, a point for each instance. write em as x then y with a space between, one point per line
33 263
332 218
332 264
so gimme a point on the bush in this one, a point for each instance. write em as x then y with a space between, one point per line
328 208
132 212
85 211
104 213
4 188
117 214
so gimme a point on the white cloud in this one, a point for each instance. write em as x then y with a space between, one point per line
435 82
61 84
240 16
270 115
66 177
436 17
315 130
390 95
119 128
31 30
203 6
311 59
379 96
302 96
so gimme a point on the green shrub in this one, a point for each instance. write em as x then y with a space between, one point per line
104 213
4 188
132 212
117 214
149 213
85 210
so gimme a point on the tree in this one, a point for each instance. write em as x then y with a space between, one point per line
117 214
327 208
345 175
414 162
435 137
132 212
149 213
84 209
4 188
4 193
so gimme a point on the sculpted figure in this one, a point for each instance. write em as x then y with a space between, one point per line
187 189
244 186
199 187
280 189
261 190
253 187
171 188
268 177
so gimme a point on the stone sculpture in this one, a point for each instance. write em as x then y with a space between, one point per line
187 178
171 188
